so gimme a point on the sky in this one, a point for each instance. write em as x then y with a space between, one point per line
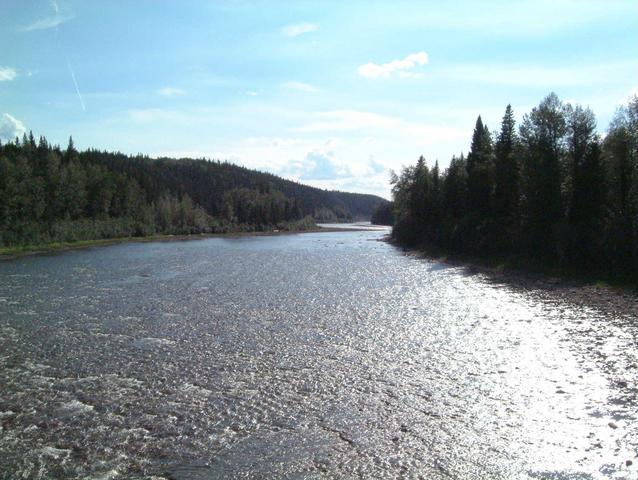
333 94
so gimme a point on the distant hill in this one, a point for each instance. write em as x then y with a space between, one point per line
205 181
52 195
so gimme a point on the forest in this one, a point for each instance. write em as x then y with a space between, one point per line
50 195
553 192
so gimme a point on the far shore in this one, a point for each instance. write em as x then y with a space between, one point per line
10 253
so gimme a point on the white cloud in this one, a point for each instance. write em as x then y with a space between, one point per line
47 22
7 74
301 87
10 127
252 93
171 92
374 70
296 29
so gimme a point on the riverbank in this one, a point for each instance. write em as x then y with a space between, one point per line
9 253
612 298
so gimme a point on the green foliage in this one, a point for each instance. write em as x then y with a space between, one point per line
555 193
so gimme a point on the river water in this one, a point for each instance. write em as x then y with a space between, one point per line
318 355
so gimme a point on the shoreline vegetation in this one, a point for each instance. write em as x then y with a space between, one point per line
552 196
11 253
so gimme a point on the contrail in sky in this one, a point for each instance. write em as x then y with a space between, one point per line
55 6
77 89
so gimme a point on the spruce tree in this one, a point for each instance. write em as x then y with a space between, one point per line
479 171
506 175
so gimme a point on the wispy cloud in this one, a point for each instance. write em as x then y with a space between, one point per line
47 22
301 87
51 21
384 70
368 122
10 127
171 92
7 74
296 29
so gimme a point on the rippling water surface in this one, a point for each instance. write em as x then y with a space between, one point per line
321 355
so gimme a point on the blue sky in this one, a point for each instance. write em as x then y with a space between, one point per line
333 94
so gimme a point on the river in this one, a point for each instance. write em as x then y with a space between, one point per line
316 355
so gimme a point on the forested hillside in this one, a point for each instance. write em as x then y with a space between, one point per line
554 192
205 181
53 195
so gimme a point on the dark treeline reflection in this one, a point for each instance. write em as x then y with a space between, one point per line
53 195
554 191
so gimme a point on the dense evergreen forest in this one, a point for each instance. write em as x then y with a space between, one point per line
553 192
383 214
51 195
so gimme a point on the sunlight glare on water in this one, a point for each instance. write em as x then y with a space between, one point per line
316 355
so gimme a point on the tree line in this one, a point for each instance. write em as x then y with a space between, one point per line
553 191
50 195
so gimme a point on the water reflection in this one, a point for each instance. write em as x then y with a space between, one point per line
314 355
